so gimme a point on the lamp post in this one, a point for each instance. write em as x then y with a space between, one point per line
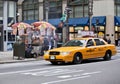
67 12
97 22
46 9
90 12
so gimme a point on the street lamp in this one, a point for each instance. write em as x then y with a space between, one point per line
90 12
97 22
67 12
46 9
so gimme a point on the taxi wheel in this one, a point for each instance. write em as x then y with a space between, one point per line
107 56
54 63
77 58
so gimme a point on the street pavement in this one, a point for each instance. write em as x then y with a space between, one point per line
7 57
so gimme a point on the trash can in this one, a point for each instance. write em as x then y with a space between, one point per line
19 50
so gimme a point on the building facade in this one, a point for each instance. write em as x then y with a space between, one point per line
105 19
7 18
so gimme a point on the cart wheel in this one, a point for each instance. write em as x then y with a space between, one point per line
35 55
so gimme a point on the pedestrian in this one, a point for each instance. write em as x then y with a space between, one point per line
109 41
51 43
45 46
118 41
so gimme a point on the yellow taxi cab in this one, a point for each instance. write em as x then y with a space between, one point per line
79 49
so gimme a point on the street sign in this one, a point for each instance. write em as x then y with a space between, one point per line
63 18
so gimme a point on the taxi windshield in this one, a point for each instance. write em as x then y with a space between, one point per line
75 43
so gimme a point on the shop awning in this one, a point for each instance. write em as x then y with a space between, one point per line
79 21
71 21
99 20
54 22
117 21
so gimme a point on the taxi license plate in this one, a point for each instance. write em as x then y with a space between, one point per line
52 57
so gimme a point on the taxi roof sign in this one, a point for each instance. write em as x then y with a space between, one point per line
85 33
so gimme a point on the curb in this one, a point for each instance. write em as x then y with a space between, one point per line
21 60
29 59
15 61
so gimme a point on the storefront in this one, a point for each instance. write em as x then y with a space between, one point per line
7 18
76 24
117 28
99 25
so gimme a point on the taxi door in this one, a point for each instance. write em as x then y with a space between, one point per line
100 48
90 49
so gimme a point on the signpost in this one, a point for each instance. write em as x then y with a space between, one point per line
90 12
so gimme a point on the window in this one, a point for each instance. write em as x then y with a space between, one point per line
79 8
30 10
55 9
1 8
117 7
90 42
99 42
75 43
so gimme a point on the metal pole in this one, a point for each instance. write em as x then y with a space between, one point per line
67 28
47 9
46 12
68 11
90 26
90 13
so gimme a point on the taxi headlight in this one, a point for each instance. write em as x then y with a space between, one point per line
65 53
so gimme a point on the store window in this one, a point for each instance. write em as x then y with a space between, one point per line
117 7
30 10
73 31
79 8
55 9
1 8
79 28
117 29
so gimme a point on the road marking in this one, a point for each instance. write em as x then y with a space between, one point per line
51 82
92 73
77 75
24 71
64 73
72 77
65 76
52 72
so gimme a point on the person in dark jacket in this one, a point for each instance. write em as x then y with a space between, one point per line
109 41
118 41
45 46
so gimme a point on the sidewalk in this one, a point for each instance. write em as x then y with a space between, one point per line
7 57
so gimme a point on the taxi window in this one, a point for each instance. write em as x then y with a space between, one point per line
90 42
75 43
99 42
